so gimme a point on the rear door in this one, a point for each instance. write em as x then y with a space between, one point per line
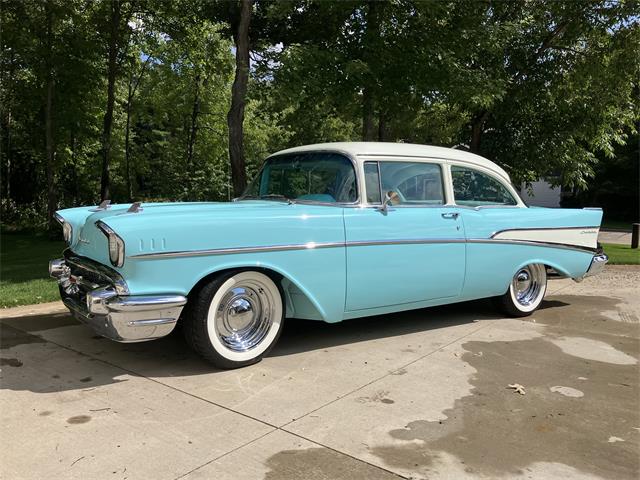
414 251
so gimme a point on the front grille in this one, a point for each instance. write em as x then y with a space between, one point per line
93 272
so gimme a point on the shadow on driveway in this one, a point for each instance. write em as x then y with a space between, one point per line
35 342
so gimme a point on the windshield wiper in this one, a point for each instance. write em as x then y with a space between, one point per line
275 196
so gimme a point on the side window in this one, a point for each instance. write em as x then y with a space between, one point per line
412 183
372 182
473 188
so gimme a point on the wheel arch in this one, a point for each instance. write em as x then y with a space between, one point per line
299 301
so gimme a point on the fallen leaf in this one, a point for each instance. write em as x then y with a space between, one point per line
518 388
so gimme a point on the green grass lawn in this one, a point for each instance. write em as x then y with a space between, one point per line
24 269
621 254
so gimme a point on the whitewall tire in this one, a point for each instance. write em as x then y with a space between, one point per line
235 319
526 291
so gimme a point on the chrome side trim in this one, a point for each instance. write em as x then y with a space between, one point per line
156 321
532 243
498 232
409 241
349 244
238 250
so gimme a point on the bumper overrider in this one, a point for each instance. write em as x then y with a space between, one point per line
596 266
98 296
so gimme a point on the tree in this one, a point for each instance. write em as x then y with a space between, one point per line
241 20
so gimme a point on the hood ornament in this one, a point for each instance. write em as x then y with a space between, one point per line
135 207
104 205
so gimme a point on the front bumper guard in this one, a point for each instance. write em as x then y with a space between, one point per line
123 318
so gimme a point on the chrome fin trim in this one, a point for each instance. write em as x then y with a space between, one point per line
350 244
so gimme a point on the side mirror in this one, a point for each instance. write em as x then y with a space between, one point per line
384 208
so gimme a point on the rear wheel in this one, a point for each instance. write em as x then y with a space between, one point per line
235 319
525 292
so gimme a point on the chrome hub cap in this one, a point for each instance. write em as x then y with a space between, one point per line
528 284
244 316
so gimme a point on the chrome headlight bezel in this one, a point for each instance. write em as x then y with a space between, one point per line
115 244
67 228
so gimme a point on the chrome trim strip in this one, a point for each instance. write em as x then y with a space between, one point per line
532 243
238 250
349 244
409 241
522 229
145 302
158 321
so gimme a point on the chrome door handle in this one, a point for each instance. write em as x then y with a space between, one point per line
451 215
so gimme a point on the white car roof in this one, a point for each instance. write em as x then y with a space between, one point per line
368 149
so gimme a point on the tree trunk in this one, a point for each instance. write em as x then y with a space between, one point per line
477 126
74 162
131 92
8 127
195 111
372 31
126 141
368 116
111 82
382 128
48 126
235 117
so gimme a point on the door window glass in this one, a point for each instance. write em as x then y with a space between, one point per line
473 188
412 183
372 182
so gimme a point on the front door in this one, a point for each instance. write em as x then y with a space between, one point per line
414 251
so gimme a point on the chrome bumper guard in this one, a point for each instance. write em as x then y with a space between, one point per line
597 264
104 307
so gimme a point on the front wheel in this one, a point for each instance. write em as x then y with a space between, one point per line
235 319
525 292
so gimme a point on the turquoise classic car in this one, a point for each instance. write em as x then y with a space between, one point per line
325 232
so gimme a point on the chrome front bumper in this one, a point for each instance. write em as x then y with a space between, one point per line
98 297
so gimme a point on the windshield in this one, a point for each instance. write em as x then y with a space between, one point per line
313 176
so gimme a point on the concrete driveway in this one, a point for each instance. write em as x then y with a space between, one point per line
423 394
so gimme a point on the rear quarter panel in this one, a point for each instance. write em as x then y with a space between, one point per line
492 259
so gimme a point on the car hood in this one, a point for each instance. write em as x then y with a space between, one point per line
159 227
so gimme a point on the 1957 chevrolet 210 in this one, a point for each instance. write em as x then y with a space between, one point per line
325 232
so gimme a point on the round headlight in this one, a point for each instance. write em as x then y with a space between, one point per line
116 244
116 250
67 232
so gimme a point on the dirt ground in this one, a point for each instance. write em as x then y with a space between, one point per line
421 394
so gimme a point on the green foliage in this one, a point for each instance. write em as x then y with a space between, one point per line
545 88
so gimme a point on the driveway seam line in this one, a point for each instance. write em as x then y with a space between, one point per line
274 427
385 375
